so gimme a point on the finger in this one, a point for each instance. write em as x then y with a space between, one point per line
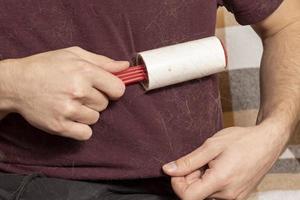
194 176
76 130
115 66
104 62
179 186
203 188
85 115
108 83
192 161
95 100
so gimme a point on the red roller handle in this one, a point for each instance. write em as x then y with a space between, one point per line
133 74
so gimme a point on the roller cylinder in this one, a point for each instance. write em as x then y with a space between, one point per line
182 62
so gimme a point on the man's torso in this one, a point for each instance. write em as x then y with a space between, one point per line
135 135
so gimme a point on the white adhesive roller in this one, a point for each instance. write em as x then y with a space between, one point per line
182 62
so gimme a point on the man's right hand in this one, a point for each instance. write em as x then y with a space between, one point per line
62 91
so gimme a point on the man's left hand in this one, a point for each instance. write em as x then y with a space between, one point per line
236 158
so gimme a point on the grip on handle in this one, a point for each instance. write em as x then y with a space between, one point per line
133 74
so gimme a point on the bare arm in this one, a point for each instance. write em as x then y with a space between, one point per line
239 157
280 67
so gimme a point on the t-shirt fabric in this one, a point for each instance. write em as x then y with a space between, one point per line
139 133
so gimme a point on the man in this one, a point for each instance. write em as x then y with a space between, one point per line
121 155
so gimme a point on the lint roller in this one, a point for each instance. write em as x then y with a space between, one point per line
177 63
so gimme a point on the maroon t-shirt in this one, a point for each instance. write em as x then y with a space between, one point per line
139 133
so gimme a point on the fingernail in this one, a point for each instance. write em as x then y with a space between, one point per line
170 167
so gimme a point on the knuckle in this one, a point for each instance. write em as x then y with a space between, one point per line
212 144
103 105
205 145
84 68
95 118
119 89
185 162
81 64
58 127
67 55
215 148
69 109
209 142
87 69
75 48
223 179
77 93
76 88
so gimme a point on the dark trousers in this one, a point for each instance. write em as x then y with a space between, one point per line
38 187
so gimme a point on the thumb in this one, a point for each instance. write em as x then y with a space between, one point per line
191 162
101 61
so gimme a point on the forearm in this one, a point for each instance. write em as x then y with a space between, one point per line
280 78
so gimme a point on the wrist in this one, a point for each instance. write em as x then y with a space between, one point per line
277 125
7 86
273 134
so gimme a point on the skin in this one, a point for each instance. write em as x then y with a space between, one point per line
237 158
62 91
80 86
